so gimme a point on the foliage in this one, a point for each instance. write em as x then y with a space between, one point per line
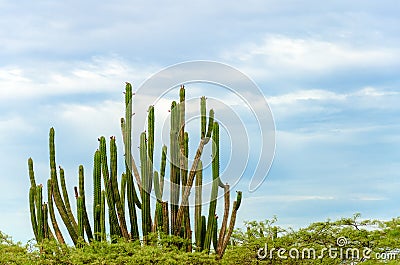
347 238
380 236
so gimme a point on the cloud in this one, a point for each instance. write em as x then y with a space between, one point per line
99 75
280 55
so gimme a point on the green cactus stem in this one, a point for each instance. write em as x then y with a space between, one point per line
203 117
32 201
193 170
97 194
203 231
66 198
162 167
31 172
39 213
214 234
114 185
46 231
103 216
198 205
86 222
146 188
53 219
68 221
214 188
123 190
174 170
130 165
81 218
115 230
222 232
150 133
165 213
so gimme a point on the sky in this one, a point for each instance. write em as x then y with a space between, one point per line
326 69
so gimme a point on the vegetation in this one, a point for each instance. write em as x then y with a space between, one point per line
170 218
382 237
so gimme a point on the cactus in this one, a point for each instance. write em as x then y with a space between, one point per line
32 201
214 189
69 221
114 185
193 170
146 188
103 216
203 231
97 194
115 229
66 198
203 117
39 213
130 165
174 170
236 205
222 232
197 209
86 222
53 219
123 190
172 217
81 219
214 234
165 213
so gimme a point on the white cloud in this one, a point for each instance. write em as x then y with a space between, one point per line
289 198
278 54
99 75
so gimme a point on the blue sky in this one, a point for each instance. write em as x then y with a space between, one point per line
327 70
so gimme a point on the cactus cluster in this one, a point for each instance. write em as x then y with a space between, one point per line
134 193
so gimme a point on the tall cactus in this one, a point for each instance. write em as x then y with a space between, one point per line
126 125
53 219
97 194
145 163
236 205
193 170
214 188
66 197
114 185
86 222
115 229
198 204
69 222
39 213
174 170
